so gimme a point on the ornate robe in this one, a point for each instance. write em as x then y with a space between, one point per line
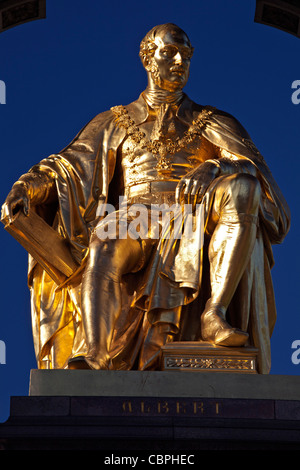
85 177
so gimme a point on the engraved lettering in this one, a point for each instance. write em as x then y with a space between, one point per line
127 406
163 407
198 407
145 409
180 407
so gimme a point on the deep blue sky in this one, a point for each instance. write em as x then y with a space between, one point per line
81 60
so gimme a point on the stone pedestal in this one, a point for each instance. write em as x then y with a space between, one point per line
121 413
206 357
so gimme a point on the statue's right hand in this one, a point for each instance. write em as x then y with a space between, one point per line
17 199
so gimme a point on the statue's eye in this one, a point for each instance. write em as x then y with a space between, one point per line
186 54
169 51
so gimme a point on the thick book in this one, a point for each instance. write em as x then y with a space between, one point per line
44 244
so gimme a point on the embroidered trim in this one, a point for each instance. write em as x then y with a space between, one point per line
161 148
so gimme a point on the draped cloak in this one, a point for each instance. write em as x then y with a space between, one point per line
86 176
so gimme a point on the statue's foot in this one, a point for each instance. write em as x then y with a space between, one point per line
216 330
85 362
157 336
79 362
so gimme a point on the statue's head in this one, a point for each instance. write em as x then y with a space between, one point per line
166 53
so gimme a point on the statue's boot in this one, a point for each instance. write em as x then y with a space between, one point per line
230 248
101 302
158 335
78 362
232 245
215 329
87 362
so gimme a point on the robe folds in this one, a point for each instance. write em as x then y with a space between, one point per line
86 176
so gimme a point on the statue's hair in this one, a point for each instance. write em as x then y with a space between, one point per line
148 46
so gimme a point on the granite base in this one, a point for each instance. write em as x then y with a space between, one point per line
154 412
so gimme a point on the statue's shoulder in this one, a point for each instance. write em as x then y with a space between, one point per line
231 122
95 127
101 119
137 109
222 119
225 130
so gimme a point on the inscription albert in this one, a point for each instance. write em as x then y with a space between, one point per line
173 407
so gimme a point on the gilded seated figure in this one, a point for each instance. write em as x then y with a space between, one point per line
137 285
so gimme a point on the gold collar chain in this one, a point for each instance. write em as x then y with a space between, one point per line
161 148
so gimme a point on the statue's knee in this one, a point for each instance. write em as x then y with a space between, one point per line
102 253
245 192
98 245
116 256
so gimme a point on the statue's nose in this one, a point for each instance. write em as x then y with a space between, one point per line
178 58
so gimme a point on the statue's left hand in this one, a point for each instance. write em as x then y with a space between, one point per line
192 187
17 199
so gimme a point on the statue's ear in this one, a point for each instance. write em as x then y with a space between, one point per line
148 64
146 54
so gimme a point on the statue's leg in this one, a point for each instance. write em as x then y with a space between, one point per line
107 262
160 332
234 221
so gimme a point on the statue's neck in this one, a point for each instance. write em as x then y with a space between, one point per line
155 96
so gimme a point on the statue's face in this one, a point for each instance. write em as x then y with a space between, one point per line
170 63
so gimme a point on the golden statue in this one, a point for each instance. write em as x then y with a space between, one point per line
133 285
